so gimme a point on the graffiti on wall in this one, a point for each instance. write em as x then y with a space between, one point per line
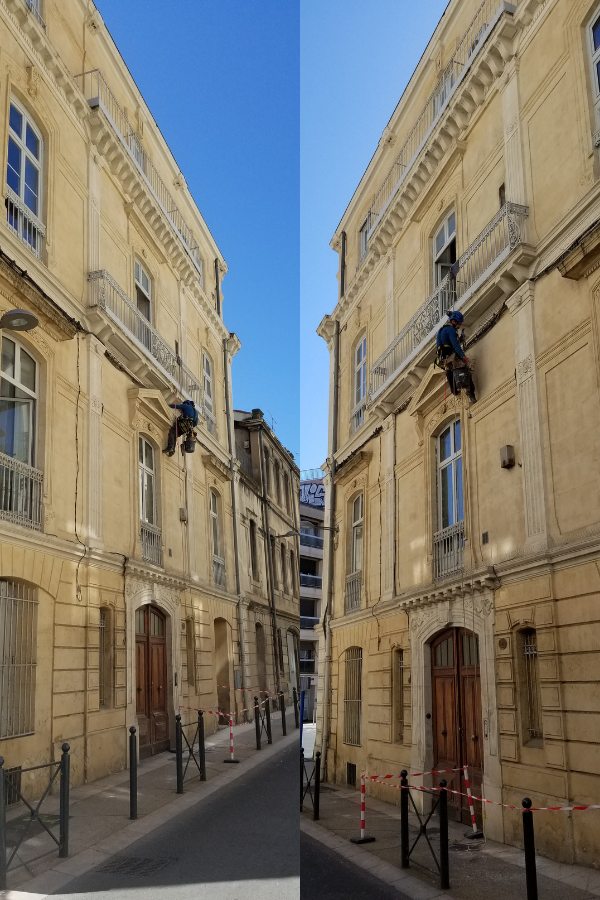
313 493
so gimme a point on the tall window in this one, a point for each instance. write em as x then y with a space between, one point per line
450 476
18 402
277 480
363 240
294 574
105 664
268 471
190 651
360 383
253 550
284 571
594 34
398 689
286 492
207 371
143 291
147 482
18 623
444 249
352 695
357 534
24 178
274 563
530 694
218 552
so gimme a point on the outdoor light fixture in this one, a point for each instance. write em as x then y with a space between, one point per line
19 320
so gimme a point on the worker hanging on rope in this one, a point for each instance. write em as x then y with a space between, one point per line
184 424
451 357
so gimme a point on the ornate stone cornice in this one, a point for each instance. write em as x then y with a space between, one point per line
64 327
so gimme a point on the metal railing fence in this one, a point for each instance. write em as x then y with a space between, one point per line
21 492
311 540
448 550
352 595
151 537
357 416
311 581
24 222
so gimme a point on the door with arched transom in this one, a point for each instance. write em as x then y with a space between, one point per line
151 680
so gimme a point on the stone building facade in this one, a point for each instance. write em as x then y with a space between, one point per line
119 600
461 577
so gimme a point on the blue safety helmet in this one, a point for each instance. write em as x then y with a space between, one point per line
456 317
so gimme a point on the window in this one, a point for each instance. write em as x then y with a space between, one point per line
352 695
307 658
284 571
450 480
595 52
277 480
360 383
398 689
105 659
294 574
18 623
286 491
207 370
143 291
218 556
24 178
147 482
357 534
18 402
363 240
253 550
444 250
530 694
268 471
443 90
190 651
274 563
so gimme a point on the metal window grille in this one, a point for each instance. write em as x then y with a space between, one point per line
18 614
21 492
12 785
400 694
532 678
353 592
448 550
102 666
352 696
219 572
151 543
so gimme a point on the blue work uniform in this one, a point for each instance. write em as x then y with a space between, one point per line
447 339
188 411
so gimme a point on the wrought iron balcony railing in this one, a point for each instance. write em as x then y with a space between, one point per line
151 543
448 550
24 223
437 103
357 416
311 581
311 540
486 253
353 593
98 94
21 492
309 622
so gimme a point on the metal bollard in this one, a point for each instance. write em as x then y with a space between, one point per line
529 846
268 715
65 774
317 785
301 777
295 696
444 861
2 830
179 754
404 819
257 722
132 773
282 708
201 747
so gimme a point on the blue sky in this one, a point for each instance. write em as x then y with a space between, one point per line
355 61
221 78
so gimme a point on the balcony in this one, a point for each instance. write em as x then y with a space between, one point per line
151 538
21 492
311 581
448 551
357 416
353 594
24 222
311 540
307 665
245 461
308 622
488 264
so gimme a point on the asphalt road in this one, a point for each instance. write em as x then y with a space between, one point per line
240 844
327 876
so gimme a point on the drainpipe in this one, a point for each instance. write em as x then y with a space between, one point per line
269 557
238 585
343 265
218 287
331 534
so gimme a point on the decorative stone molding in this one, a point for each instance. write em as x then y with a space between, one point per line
63 327
149 406
215 465
350 468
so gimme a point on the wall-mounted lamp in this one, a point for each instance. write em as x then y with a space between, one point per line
19 320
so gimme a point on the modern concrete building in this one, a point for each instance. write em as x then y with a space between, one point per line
462 627
312 511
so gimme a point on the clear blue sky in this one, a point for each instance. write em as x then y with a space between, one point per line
356 59
222 81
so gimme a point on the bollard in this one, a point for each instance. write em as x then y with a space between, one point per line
231 758
529 847
301 777
65 772
444 862
179 753
201 747
2 830
268 715
257 722
404 819
295 696
317 785
132 773
282 708
363 839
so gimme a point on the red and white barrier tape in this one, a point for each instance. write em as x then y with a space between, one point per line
419 787
219 712
251 690
416 774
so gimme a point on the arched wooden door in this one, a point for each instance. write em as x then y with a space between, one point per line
151 680
457 732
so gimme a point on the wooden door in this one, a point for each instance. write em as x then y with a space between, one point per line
151 681
457 733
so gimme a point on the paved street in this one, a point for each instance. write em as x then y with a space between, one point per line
239 844
328 876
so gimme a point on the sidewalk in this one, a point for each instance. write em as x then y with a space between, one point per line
477 869
99 812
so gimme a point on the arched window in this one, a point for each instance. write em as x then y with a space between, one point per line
449 539
105 658
18 401
352 696
217 545
253 549
18 633
24 178
360 383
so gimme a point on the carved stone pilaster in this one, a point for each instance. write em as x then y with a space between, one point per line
514 178
388 461
389 296
95 461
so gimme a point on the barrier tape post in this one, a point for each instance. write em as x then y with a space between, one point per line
282 708
231 758
404 820
363 839
201 747
444 861
179 754
132 773
257 722
529 846
477 833
65 778
317 785
2 830
268 715
295 696
301 777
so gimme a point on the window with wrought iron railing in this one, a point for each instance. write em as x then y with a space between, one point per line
398 691
352 696
24 168
448 541
531 700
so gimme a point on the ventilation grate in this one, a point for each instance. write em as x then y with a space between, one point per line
135 865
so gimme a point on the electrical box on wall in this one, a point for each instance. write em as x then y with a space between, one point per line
237 679
507 456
